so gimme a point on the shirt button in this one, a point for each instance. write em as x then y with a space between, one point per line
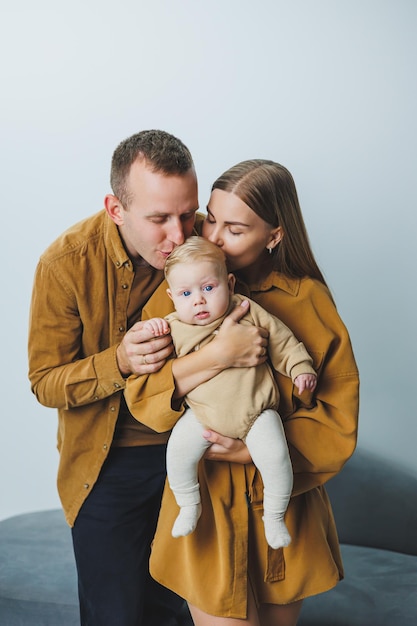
125 286
121 328
112 408
117 263
86 486
105 446
117 385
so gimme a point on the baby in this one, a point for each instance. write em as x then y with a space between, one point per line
238 402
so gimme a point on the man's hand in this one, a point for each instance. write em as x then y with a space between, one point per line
241 345
140 352
226 449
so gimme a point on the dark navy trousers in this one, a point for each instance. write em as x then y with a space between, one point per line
112 536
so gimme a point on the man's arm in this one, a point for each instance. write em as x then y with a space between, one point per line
70 361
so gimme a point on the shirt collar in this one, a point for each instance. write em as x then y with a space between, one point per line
274 280
115 245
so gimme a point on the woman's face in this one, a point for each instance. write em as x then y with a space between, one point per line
240 232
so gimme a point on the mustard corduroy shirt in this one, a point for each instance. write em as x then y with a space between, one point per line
82 286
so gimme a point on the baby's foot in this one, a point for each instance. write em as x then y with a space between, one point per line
276 532
187 520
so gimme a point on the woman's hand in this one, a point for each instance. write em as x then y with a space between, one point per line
226 449
241 345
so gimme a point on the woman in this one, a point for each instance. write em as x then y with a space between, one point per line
225 569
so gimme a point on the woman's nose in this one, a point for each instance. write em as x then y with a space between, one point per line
215 237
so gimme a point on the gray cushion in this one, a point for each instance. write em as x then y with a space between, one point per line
37 572
375 503
38 582
375 507
380 589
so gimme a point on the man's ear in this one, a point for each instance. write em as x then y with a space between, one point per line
231 280
169 292
114 209
276 236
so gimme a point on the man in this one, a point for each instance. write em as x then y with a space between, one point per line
85 339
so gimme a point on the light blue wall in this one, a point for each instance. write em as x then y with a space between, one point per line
327 88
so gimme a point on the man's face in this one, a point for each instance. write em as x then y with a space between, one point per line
160 216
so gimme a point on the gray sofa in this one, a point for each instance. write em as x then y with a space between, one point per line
38 581
375 505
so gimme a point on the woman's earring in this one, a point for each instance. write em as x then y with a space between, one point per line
269 250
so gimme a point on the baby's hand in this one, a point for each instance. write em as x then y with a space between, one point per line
158 326
305 381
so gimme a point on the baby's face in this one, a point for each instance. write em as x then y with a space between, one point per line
199 294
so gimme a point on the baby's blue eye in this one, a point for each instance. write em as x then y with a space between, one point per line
186 293
208 288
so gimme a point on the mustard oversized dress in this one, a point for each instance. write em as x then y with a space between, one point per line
212 567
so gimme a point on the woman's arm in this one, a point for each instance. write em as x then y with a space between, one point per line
189 375
226 449
235 345
321 428
156 399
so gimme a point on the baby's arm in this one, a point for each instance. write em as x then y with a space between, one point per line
305 381
158 326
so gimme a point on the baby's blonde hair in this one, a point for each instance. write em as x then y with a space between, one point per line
196 249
